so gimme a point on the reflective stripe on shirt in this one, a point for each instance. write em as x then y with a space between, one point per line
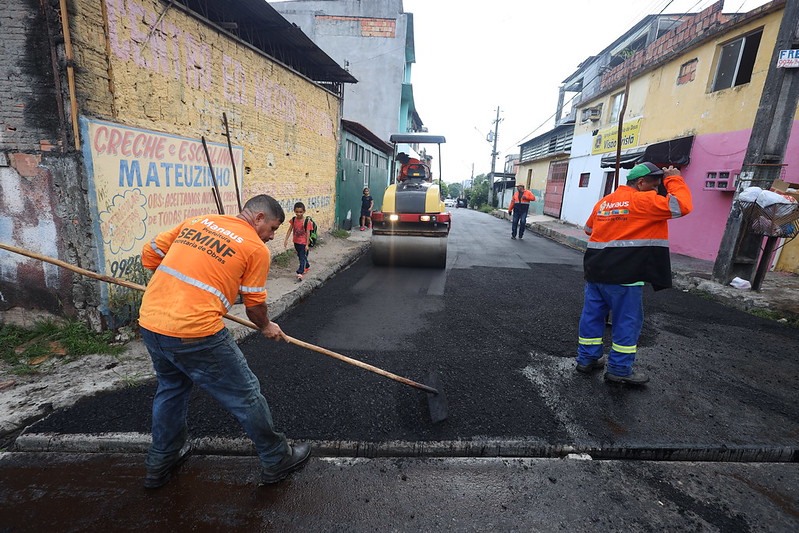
674 207
242 288
196 283
156 249
629 243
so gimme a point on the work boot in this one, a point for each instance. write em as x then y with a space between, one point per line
296 458
155 478
636 378
513 237
596 364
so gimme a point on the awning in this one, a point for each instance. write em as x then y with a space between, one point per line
674 152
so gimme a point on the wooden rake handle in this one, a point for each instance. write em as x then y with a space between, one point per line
292 340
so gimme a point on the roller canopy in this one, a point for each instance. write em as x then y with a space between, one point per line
411 138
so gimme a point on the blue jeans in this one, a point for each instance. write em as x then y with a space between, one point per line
627 312
216 364
303 256
519 221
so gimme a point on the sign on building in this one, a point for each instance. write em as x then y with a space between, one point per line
606 139
788 59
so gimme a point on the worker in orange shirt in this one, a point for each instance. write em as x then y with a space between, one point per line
519 206
628 245
200 268
412 167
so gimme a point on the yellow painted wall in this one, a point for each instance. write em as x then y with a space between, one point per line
690 109
179 80
789 257
639 89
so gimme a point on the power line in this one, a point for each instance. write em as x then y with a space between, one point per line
546 121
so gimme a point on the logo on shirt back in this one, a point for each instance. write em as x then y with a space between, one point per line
613 208
222 231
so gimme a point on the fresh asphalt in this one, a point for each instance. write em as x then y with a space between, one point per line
498 327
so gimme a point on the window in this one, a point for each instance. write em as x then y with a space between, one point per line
736 62
687 72
361 151
610 180
584 179
615 109
352 150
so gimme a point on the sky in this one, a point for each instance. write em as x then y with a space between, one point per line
472 57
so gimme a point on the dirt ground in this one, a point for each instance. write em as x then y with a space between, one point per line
56 384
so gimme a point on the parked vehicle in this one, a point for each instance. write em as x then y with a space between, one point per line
461 202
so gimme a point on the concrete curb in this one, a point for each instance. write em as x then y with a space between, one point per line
139 442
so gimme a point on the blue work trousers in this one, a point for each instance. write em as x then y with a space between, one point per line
302 254
519 221
626 307
216 364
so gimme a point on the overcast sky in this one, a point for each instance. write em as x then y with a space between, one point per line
472 57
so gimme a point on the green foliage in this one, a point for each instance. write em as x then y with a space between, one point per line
20 347
478 192
284 259
454 190
791 319
340 233
443 189
486 209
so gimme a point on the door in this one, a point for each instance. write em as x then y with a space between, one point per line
556 183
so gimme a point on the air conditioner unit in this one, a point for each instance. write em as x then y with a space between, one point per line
594 113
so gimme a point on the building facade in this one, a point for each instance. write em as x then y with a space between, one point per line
374 42
692 101
116 131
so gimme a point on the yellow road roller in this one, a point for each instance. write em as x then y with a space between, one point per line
413 225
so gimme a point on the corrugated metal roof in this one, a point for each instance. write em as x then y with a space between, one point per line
259 24
365 134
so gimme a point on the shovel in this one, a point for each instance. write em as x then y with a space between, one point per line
436 400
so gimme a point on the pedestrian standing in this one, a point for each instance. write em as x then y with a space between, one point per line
367 204
628 245
519 206
299 228
200 267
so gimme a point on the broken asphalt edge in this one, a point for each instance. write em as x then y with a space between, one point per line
476 448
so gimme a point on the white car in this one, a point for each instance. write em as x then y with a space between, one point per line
449 202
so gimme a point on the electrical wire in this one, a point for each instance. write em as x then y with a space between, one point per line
548 119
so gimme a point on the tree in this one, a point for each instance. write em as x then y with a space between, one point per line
444 190
455 190
478 192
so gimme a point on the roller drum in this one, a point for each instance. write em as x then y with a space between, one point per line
410 250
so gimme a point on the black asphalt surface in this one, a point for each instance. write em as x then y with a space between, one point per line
499 328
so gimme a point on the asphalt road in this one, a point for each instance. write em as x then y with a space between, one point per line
498 327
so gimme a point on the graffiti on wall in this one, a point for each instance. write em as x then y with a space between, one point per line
145 182
138 35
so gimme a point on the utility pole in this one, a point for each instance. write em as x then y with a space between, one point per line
762 163
493 162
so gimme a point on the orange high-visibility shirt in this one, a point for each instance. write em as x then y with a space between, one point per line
200 267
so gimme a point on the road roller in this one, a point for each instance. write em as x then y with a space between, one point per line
412 227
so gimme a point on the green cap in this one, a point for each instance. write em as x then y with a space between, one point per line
644 169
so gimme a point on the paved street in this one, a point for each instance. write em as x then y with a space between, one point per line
499 328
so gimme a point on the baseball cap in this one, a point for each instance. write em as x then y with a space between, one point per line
644 169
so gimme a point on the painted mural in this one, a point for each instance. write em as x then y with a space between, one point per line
144 182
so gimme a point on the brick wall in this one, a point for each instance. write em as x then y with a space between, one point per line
29 117
362 26
145 97
694 27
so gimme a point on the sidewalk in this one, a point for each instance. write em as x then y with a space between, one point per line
779 292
